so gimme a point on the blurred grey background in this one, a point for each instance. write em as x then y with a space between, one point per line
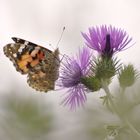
41 21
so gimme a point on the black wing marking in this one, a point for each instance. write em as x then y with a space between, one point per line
22 41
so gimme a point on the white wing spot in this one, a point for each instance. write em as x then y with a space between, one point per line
22 46
12 45
26 43
15 55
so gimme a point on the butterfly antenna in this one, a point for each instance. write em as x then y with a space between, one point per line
60 37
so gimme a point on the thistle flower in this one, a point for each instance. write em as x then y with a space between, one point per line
107 40
71 72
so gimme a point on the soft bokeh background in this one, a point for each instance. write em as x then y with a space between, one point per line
41 21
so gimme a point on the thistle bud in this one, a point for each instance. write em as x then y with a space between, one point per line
105 68
127 76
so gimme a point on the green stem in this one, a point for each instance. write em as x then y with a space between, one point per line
122 94
106 89
132 127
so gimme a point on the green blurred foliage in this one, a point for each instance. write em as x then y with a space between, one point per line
103 124
24 117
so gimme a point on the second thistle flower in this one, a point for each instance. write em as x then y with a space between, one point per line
73 69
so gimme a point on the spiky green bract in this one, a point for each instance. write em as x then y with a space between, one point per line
105 68
92 83
127 76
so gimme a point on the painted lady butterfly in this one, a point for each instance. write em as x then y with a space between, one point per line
41 64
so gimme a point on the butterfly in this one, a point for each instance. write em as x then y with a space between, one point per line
40 64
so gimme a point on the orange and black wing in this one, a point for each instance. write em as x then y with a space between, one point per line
46 73
25 55
41 64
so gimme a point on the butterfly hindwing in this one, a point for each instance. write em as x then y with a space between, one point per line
46 73
41 64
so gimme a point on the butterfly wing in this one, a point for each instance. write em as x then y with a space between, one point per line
29 43
24 54
22 41
46 73
40 79
41 64
17 54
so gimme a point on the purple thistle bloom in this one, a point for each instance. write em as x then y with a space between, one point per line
107 40
71 72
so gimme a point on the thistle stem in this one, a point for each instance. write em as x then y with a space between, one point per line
132 127
107 91
115 109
